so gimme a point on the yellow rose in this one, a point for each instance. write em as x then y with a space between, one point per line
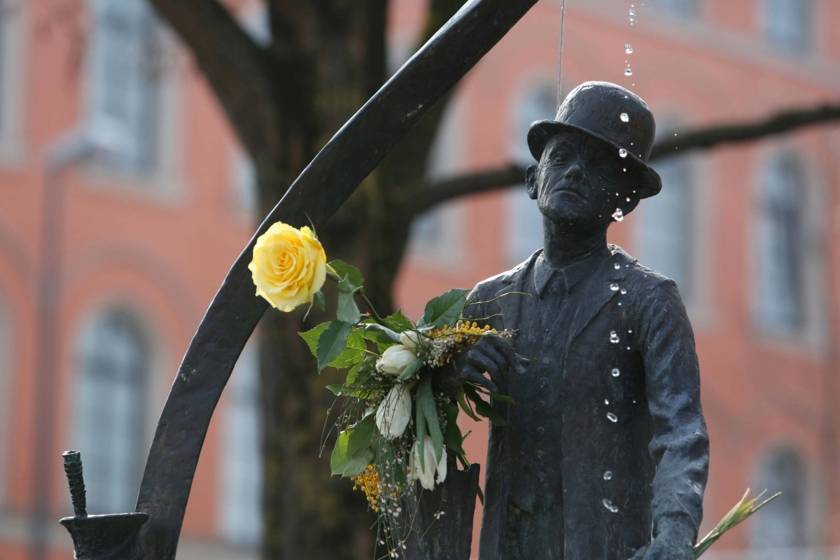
289 266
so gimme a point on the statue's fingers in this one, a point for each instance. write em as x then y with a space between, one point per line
514 360
493 353
483 362
471 374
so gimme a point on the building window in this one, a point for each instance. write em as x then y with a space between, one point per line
524 218
124 74
778 279
244 178
112 376
434 234
681 8
11 19
242 460
782 524
787 24
665 229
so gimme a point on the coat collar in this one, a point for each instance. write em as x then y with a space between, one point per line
598 288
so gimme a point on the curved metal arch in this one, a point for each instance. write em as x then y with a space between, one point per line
351 154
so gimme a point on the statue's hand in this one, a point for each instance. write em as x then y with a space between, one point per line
493 355
674 542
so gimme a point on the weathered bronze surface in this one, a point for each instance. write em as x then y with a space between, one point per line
606 444
314 196
99 537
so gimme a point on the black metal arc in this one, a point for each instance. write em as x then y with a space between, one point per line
331 177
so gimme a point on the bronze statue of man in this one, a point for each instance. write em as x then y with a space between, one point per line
604 455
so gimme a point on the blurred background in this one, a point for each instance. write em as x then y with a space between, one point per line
139 149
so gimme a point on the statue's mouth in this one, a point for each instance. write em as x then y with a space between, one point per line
569 190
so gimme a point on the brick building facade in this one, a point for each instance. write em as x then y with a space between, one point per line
152 215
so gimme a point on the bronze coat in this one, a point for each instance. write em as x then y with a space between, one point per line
655 447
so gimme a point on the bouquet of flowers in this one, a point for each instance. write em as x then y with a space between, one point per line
394 427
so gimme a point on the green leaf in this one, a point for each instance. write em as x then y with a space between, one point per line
393 336
483 407
319 300
462 402
332 342
426 403
398 322
444 309
311 337
353 353
352 452
335 389
420 427
452 435
347 310
503 398
350 273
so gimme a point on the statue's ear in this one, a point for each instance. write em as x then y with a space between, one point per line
531 181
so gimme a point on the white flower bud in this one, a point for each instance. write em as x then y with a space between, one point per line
425 470
395 360
394 412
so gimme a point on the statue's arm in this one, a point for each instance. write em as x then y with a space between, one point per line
680 443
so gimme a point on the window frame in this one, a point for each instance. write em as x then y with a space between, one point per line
811 336
94 320
521 112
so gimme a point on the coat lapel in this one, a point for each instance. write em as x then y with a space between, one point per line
598 290
513 290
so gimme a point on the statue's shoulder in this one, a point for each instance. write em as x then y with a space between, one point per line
643 278
492 285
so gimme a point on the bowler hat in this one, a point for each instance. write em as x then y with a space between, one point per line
613 115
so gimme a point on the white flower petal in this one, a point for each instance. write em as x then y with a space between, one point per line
394 412
395 360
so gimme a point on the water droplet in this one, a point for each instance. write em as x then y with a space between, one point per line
618 215
614 287
609 505
624 169
607 401
608 475
628 348
617 266
628 48
628 71
612 417
625 118
622 153
623 291
614 337
629 331
627 199
675 134
615 372
619 304
631 12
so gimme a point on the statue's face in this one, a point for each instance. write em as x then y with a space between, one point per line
581 182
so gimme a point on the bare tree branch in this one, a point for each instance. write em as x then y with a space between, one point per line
746 131
700 139
235 66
